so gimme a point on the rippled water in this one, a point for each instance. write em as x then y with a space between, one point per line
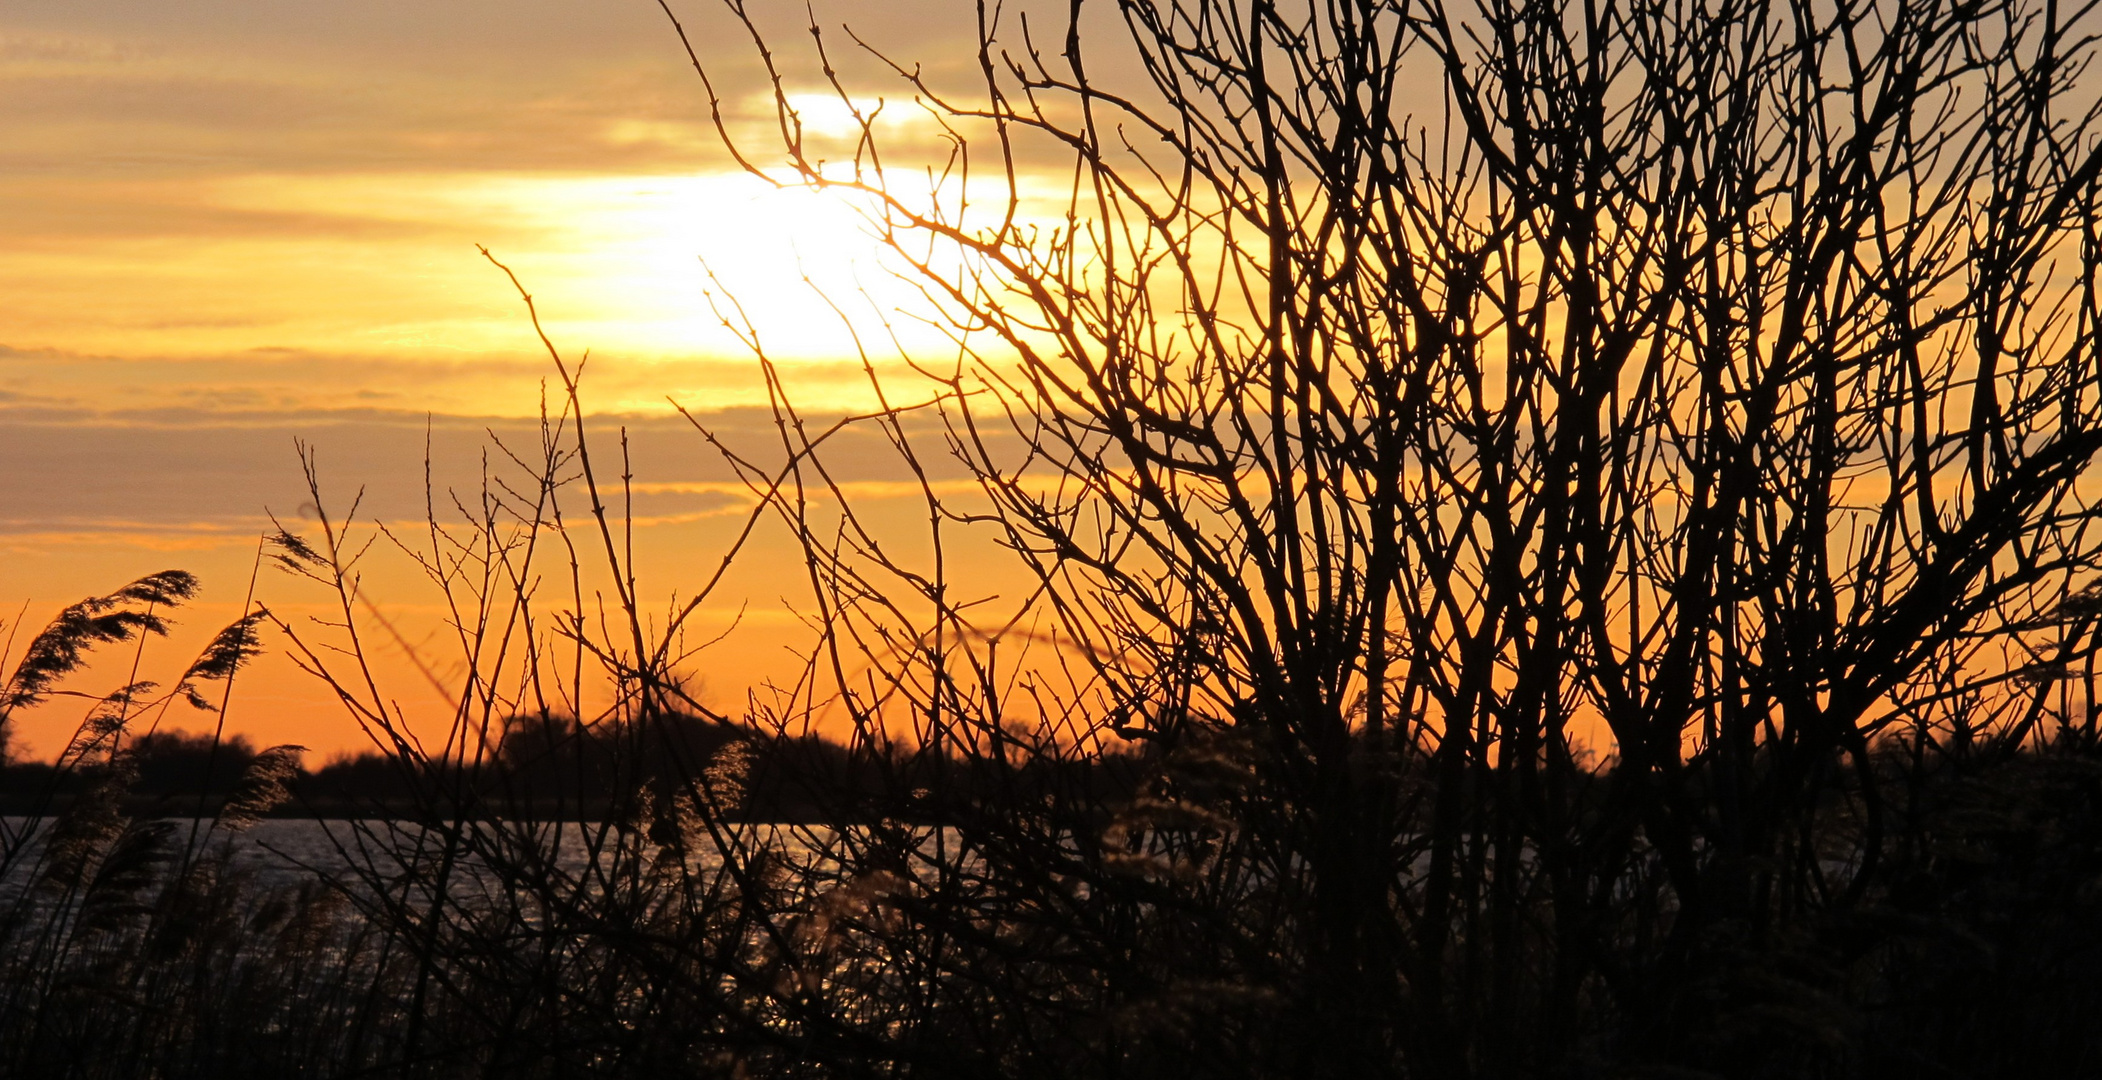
294 850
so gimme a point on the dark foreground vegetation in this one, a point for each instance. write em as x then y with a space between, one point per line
676 932
1542 540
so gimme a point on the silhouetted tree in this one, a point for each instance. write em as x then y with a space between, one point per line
1406 398
1557 541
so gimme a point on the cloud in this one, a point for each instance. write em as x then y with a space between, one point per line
233 223
264 385
118 87
162 477
20 51
73 211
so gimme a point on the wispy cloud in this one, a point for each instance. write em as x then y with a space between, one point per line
232 224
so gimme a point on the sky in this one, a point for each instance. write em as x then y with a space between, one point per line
234 225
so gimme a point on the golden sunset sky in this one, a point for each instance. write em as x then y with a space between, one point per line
230 224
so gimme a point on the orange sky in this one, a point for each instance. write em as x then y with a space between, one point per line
233 223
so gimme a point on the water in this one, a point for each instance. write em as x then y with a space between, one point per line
370 854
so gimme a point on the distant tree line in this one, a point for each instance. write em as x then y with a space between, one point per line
545 767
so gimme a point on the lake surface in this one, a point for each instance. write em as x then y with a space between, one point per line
293 851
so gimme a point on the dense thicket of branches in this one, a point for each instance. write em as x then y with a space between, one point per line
1414 394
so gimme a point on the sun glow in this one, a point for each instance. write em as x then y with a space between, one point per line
637 269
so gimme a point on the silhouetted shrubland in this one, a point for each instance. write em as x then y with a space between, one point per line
1539 540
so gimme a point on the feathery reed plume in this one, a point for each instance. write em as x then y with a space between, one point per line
121 886
63 645
728 772
295 555
230 649
84 831
261 788
98 733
